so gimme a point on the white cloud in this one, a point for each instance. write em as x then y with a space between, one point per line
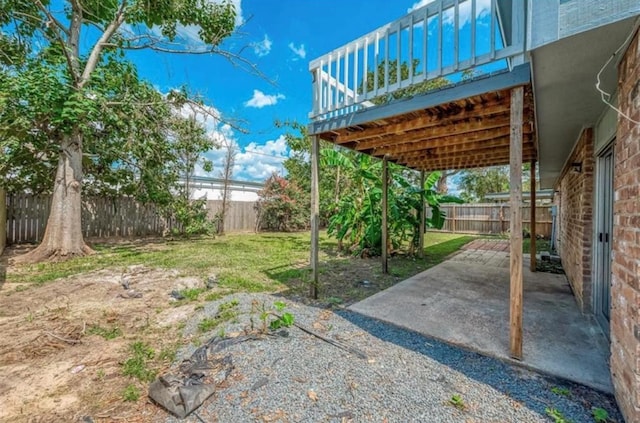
263 47
260 99
482 8
255 162
300 52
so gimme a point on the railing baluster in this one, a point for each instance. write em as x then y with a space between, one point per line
338 81
375 65
493 28
365 67
456 33
330 92
355 74
411 23
398 54
425 41
440 39
473 32
386 60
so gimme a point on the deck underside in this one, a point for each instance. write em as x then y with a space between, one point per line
451 131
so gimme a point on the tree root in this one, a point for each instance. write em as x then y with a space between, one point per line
45 253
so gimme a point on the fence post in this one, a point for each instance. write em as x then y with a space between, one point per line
453 219
3 219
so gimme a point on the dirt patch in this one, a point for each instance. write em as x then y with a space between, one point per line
63 342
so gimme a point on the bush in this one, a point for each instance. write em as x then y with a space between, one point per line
282 206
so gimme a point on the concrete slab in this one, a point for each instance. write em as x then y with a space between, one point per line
465 301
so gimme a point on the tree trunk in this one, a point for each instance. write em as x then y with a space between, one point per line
63 238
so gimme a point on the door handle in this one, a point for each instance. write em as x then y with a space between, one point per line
600 237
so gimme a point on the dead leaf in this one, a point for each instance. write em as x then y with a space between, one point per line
312 395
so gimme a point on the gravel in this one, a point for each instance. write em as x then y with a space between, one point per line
405 377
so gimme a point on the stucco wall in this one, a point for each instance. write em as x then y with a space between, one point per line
625 285
575 217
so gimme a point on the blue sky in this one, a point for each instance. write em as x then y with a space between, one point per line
280 37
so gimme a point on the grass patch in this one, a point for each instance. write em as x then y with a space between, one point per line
106 333
192 294
541 245
131 393
138 364
226 312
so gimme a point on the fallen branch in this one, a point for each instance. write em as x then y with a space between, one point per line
68 341
333 342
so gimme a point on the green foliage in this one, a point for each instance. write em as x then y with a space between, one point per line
106 333
600 415
457 401
561 391
556 415
138 364
284 321
131 393
414 89
192 294
191 216
282 206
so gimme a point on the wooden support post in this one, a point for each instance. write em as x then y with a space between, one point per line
532 249
515 175
315 214
385 226
423 218
453 219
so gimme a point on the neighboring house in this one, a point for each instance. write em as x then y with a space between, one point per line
212 189
536 99
542 196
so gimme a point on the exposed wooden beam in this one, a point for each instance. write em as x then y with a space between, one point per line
532 189
315 215
500 155
454 130
423 218
515 177
421 122
385 226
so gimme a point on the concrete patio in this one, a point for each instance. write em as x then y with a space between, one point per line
465 301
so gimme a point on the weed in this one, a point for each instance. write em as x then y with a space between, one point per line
106 333
556 415
199 307
561 391
192 294
226 311
29 317
285 320
138 365
457 401
334 301
100 374
131 393
213 296
21 288
600 415
168 354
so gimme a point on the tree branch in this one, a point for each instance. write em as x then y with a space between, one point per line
52 18
94 57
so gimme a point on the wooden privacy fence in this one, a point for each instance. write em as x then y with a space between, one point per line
493 219
26 217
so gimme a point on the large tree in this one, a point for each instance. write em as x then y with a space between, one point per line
66 68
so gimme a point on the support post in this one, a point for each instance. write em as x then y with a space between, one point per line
315 214
385 226
532 249
423 218
515 176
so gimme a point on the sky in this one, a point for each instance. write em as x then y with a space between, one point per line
280 37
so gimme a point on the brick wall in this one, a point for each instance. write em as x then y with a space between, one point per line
625 286
575 216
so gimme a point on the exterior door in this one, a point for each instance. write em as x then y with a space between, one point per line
604 232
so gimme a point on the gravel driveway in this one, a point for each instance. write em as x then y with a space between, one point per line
405 377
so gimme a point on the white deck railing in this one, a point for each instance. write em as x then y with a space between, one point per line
441 39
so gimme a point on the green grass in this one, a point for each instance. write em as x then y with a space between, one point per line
106 333
541 245
264 262
138 365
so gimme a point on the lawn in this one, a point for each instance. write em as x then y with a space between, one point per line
266 262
